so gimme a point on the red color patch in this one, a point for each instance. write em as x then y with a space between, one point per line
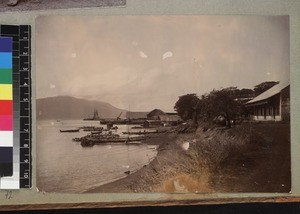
6 107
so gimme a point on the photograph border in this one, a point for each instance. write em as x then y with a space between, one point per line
33 199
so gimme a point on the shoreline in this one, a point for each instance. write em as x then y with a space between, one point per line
216 160
125 184
165 173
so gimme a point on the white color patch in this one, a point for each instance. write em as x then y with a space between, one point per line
6 138
166 55
13 181
52 86
73 55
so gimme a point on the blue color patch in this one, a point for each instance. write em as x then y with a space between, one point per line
5 44
5 60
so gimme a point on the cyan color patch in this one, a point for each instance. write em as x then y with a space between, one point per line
5 60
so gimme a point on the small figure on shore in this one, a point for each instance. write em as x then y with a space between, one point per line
13 2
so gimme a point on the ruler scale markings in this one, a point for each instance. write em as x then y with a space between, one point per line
25 117
22 100
6 109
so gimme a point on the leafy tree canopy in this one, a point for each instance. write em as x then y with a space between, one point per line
186 105
227 102
221 102
262 87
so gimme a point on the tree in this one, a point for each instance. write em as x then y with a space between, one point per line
246 93
186 106
221 102
262 87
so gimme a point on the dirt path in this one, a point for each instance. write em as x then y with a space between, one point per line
25 5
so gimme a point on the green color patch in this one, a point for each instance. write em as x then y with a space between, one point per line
5 76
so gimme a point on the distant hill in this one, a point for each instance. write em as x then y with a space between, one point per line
65 107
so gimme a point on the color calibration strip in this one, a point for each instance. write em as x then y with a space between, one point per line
6 108
21 104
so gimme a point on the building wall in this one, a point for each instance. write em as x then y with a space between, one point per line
285 104
267 118
277 108
136 115
267 112
168 118
152 123
154 115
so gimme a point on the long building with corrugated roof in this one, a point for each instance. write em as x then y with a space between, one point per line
271 105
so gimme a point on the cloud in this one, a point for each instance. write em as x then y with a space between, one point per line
52 86
167 55
134 43
210 52
143 55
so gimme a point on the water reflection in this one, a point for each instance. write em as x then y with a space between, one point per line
66 166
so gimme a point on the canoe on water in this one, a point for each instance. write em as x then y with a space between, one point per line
69 130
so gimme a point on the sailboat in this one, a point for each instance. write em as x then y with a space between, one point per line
95 116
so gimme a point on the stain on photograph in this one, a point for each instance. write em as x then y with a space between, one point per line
131 104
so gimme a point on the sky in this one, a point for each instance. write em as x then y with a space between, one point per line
147 62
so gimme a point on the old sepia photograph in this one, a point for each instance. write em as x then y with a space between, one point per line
172 104
29 5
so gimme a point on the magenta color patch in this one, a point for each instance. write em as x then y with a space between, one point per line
6 123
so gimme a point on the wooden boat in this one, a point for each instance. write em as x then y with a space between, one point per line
114 128
137 127
68 130
141 132
91 128
96 132
102 139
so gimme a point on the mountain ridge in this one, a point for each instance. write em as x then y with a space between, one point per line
68 107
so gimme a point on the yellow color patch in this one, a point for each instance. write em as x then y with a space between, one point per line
5 91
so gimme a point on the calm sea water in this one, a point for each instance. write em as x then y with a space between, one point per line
66 166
